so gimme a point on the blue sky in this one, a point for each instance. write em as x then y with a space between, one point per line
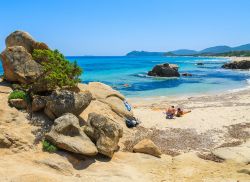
115 27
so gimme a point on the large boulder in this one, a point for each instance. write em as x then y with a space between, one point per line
101 91
146 146
165 70
244 64
104 132
118 106
19 38
111 100
67 134
64 101
19 66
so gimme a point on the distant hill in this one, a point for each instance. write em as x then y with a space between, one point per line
245 47
184 52
216 50
187 52
145 53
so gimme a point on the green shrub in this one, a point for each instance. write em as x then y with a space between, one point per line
58 72
47 146
18 94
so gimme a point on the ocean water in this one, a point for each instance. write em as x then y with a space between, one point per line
118 71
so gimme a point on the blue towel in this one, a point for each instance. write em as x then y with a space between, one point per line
127 105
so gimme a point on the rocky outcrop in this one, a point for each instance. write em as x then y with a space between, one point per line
19 66
20 38
64 101
146 146
165 70
104 132
107 102
67 134
244 64
18 103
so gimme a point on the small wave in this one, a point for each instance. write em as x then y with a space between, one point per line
142 75
241 89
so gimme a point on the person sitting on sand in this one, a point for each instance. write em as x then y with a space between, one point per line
181 112
170 112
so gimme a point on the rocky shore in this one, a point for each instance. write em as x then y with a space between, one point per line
77 132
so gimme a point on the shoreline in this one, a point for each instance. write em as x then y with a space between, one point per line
186 96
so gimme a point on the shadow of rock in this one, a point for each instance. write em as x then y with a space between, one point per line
80 162
43 124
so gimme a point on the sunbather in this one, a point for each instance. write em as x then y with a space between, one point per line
181 112
170 112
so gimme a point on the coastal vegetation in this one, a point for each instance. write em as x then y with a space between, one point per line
235 53
48 147
18 94
57 71
51 82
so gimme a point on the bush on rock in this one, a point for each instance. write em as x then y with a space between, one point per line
18 94
47 146
57 71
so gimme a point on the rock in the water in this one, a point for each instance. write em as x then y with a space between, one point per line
104 132
200 64
146 146
67 135
186 74
165 70
19 66
19 38
18 103
38 103
239 153
64 101
244 64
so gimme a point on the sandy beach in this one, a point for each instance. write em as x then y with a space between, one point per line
215 121
238 58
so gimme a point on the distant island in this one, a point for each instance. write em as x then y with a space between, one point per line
243 50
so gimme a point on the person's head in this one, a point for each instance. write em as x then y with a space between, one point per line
179 109
172 107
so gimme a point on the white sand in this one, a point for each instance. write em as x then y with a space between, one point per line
208 112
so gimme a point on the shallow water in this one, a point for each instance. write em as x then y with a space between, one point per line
117 71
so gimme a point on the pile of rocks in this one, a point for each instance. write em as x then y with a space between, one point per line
87 120
244 64
165 70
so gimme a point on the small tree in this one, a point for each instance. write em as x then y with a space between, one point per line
58 72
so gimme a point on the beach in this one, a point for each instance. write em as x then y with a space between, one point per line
215 121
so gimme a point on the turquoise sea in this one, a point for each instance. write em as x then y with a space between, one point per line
117 71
